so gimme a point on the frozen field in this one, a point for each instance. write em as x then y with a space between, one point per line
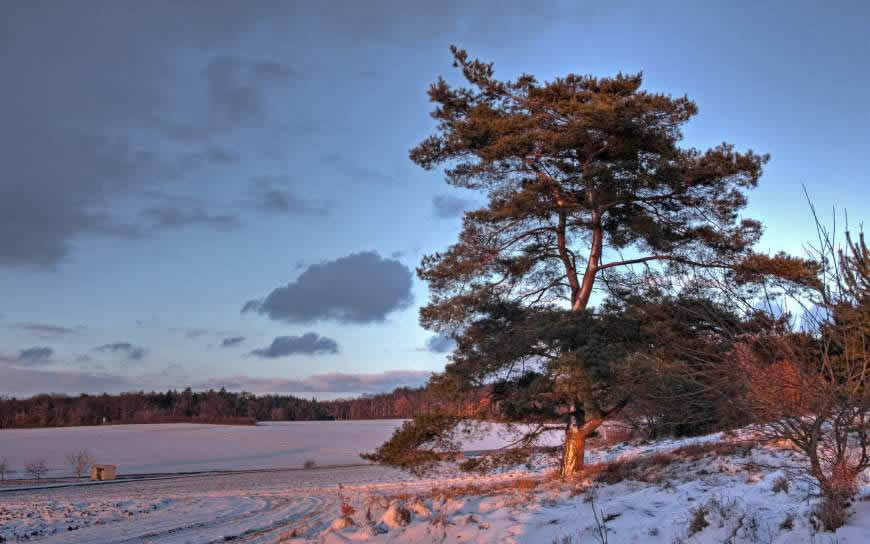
192 447
182 447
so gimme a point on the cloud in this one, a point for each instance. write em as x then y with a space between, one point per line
237 96
35 356
352 170
440 343
44 330
446 206
100 119
134 353
232 341
271 195
286 202
308 344
333 382
358 288
86 127
192 334
175 218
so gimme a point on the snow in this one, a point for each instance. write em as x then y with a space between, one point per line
187 447
183 447
735 490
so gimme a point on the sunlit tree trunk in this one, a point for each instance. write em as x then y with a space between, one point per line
574 449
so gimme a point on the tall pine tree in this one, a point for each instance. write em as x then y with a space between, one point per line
585 177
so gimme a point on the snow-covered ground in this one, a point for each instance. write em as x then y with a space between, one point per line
654 503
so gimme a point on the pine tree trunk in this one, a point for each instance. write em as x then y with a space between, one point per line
574 450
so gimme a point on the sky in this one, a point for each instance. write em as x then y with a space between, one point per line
218 193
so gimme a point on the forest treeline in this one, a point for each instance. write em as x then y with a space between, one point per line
222 407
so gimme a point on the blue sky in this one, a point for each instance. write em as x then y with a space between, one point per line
166 163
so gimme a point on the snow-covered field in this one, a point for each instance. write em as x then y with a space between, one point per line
656 504
183 447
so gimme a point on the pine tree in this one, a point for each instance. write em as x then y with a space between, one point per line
585 178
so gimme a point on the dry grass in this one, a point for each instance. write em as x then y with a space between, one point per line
780 484
699 519
649 468
519 484
721 449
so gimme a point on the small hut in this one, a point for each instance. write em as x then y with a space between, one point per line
104 472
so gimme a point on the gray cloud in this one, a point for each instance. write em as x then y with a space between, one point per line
358 288
79 122
237 92
134 353
232 341
440 343
192 334
99 118
175 218
308 344
272 195
350 169
286 202
44 330
447 206
35 356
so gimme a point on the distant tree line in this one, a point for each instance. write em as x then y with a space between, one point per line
223 407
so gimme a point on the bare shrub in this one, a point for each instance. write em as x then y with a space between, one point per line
698 521
787 523
347 510
599 532
79 462
724 508
37 468
804 382
780 484
344 507
4 468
